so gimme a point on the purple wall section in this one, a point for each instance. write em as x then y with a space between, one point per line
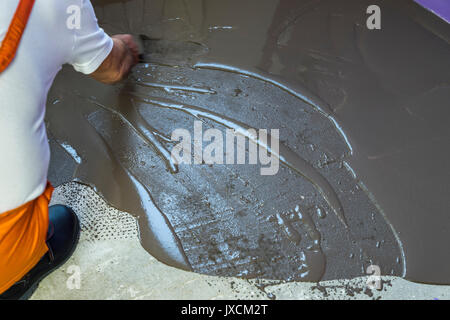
439 7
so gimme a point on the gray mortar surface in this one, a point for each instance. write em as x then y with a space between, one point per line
362 141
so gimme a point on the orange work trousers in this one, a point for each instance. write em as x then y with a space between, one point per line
23 235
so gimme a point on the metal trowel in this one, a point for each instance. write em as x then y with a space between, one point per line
168 52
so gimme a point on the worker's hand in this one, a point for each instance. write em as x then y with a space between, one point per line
129 41
123 56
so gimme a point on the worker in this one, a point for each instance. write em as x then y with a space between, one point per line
38 37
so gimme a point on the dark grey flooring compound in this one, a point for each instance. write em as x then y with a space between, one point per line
363 136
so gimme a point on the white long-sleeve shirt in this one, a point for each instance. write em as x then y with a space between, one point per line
58 32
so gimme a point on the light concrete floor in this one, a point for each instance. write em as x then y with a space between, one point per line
110 263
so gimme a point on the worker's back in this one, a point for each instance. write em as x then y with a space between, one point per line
58 32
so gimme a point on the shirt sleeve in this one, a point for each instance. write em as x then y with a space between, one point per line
91 44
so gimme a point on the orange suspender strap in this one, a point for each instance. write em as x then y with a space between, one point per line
14 34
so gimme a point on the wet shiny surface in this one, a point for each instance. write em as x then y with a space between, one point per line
362 118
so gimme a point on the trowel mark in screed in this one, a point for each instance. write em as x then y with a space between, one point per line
165 244
171 87
158 223
285 155
144 130
171 52
161 240
298 91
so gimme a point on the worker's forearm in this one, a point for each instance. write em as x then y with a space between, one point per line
118 64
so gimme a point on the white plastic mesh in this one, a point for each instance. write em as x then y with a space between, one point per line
98 220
